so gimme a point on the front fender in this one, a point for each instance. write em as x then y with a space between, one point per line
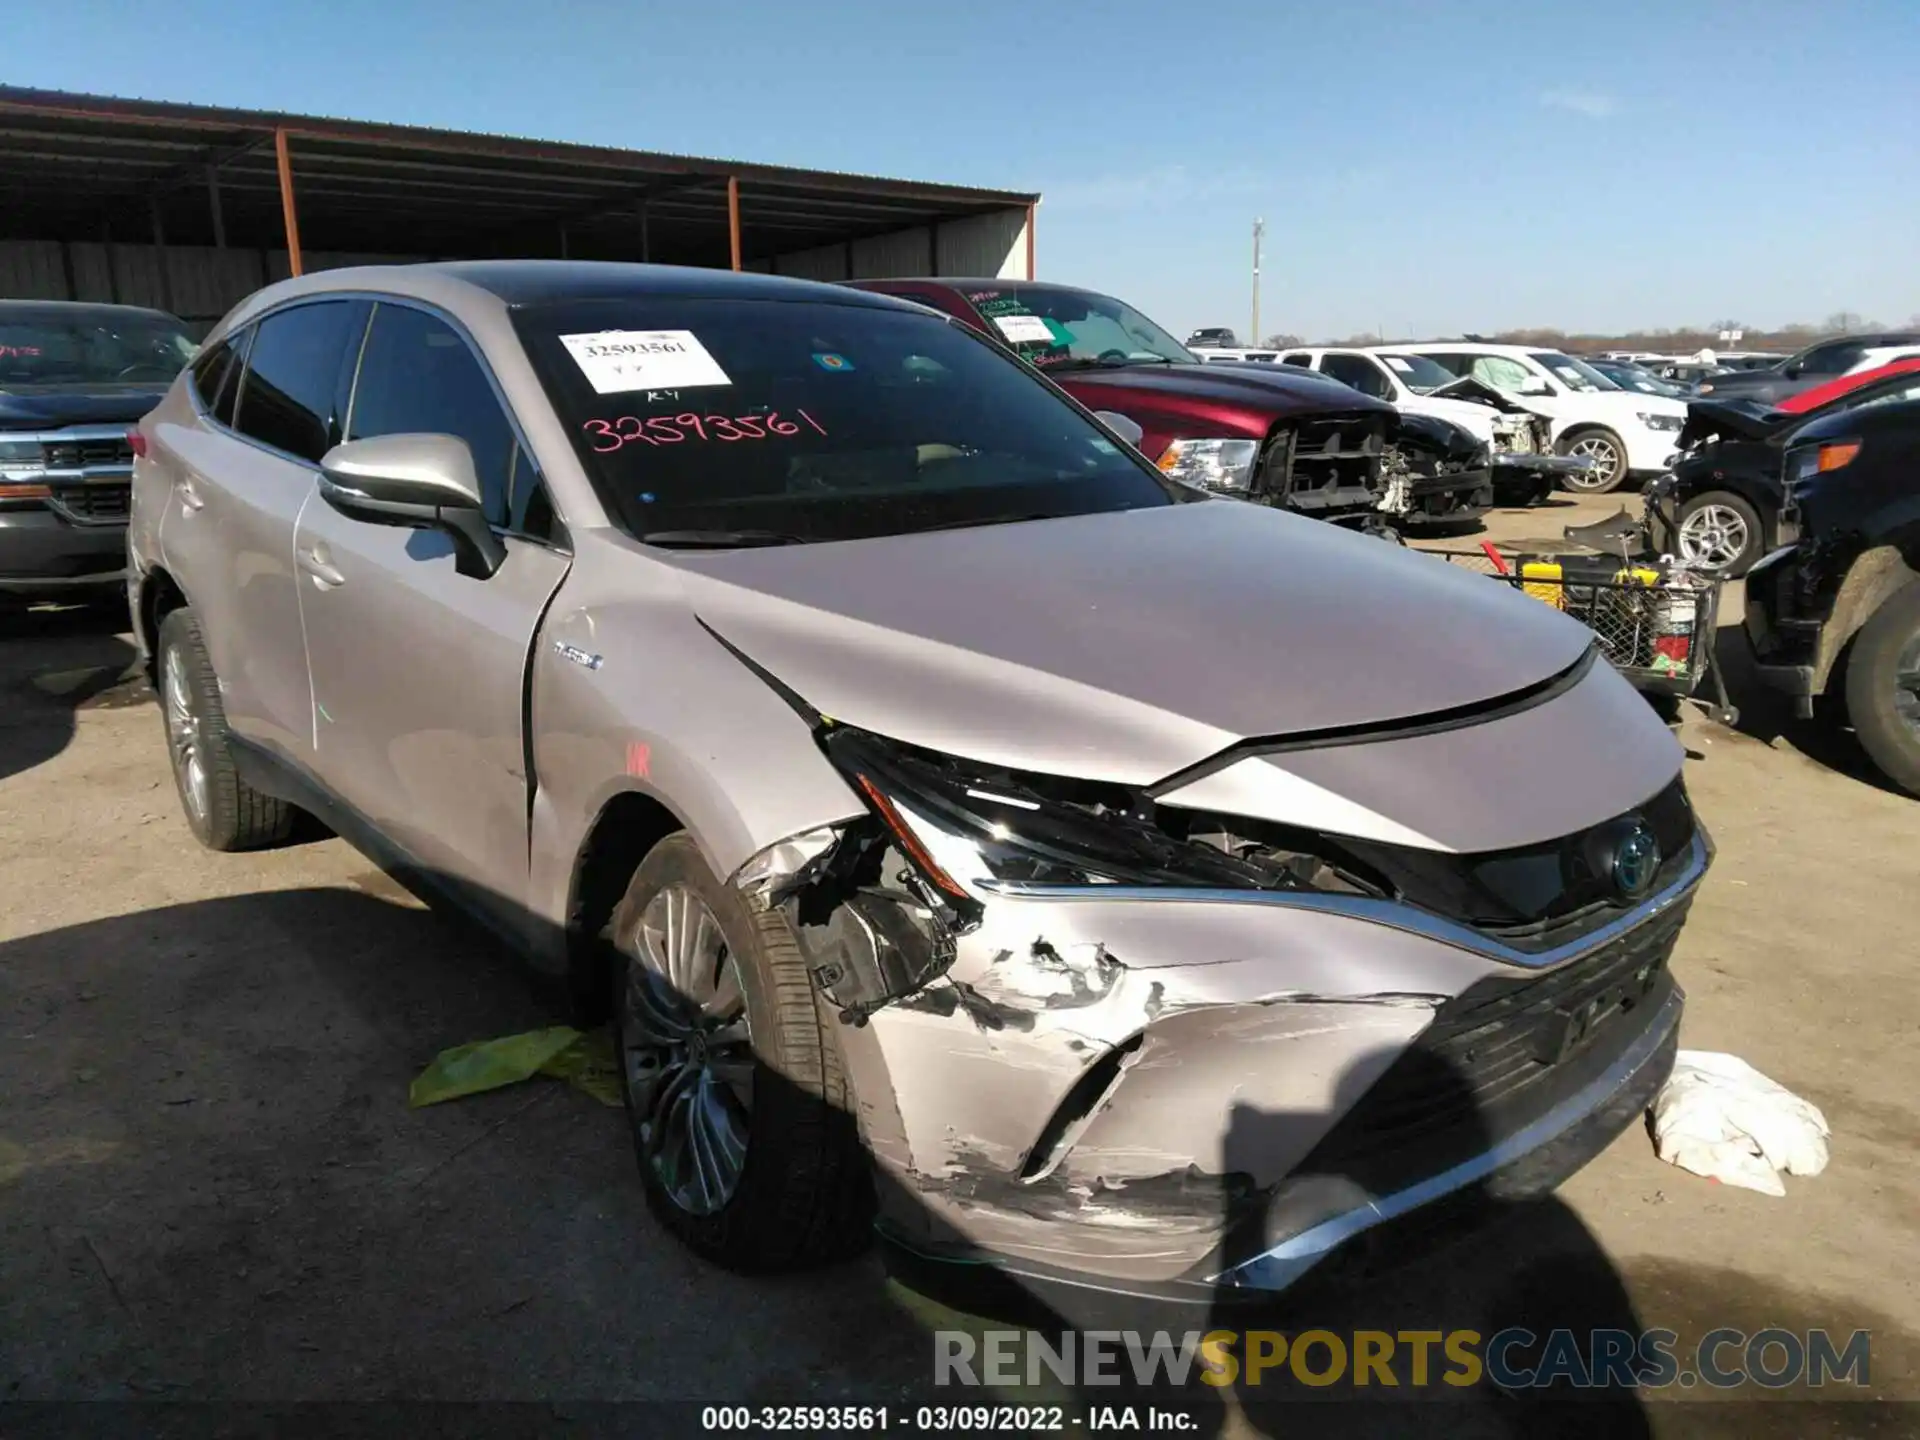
630 693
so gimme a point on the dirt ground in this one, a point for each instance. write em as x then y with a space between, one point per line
212 1189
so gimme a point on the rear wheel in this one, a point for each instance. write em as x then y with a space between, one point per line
223 811
1608 453
1719 531
1883 688
741 1115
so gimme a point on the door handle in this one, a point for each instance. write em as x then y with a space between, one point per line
325 573
190 498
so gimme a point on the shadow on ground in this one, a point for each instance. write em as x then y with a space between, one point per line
55 660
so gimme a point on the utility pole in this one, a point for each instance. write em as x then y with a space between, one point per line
1259 229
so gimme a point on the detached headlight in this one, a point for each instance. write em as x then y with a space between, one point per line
1225 465
21 460
1669 424
967 827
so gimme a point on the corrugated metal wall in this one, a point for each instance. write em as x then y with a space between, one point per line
202 283
993 244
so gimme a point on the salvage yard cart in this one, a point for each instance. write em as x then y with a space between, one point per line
1655 619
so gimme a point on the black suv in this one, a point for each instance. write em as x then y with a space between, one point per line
73 379
1837 612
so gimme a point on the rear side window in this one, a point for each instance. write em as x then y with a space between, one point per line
293 373
1298 357
417 376
216 375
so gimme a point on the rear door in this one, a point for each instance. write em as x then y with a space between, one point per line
240 477
419 672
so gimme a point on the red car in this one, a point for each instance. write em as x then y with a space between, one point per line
1280 435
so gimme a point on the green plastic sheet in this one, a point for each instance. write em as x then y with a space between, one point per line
560 1052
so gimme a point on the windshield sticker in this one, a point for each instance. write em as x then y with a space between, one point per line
1394 362
624 430
1568 373
616 361
1024 329
827 360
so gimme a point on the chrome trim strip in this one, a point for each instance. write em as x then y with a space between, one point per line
1390 913
1286 1262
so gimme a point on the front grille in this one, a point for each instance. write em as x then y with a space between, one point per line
93 504
77 454
1498 1056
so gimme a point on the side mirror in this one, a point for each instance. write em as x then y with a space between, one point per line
1126 429
419 482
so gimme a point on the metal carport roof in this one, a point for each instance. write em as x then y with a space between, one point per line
88 167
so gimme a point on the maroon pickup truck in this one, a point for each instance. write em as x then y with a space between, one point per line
1279 435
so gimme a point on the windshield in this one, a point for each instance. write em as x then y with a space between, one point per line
1060 329
718 421
90 347
1418 373
1632 377
1572 373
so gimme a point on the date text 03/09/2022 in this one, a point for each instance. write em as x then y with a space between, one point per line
943 1419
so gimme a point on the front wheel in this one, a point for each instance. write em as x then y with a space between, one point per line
1719 531
1883 688
741 1114
1609 455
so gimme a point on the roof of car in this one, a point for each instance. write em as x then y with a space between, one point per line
527 282
1808 401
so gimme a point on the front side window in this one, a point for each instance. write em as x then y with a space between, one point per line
90 345
417 376
293 372
1833 358
1456 365
1360 373
1061 329
761 421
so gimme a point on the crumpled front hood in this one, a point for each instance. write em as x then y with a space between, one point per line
1125 646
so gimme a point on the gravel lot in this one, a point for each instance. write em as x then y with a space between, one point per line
211 1188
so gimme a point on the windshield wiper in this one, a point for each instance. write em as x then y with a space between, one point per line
718 539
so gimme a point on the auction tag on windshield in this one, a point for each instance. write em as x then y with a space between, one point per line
615 361
1020 329
1394 362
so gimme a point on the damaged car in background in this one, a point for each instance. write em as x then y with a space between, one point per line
1256 431
1519 438
972 829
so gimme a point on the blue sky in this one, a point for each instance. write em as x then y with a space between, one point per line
1422 166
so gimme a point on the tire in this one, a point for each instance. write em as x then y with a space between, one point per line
222 810
1596 441
1720 524
1883 688
786 1185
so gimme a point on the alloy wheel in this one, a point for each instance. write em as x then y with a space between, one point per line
1606 461
184 740
1906 685
1713 536
687 1053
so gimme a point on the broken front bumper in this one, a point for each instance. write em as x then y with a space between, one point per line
1197 1094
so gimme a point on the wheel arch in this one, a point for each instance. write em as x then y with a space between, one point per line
624 832
160 595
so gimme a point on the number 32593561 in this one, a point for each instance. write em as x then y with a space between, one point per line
624 430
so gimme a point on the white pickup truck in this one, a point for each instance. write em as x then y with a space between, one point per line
1518 436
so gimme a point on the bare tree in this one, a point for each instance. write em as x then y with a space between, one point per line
1281 342
1844 322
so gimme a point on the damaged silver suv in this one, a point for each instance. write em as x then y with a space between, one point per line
972 831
